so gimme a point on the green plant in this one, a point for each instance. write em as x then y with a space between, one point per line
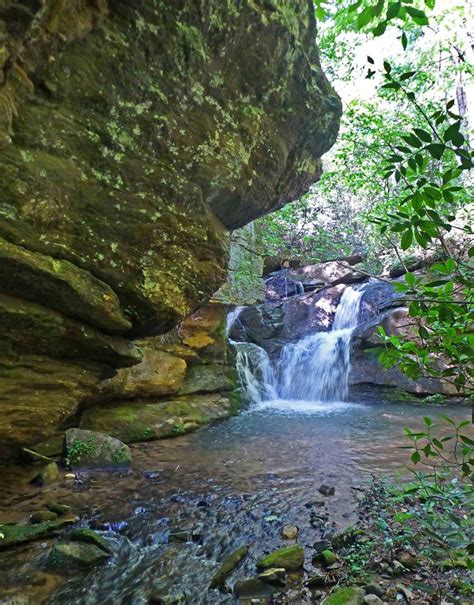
79 450
446 489
443 449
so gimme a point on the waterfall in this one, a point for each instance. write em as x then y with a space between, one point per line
317 367
314 369
256 373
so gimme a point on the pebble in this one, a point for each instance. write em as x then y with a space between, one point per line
70 476
374 589
372 599
289 532
408 560
327 490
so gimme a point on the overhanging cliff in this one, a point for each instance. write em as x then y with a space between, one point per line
133 136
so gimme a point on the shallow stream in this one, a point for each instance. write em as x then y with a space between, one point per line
237 482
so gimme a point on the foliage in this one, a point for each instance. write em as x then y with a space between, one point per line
446 489
398 181
445 453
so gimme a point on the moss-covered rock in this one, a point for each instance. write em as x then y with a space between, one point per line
209 378
48 475
144 420
288 557
228 566
16 534
157 374
89 536
75 556
349 595
90 449
326 557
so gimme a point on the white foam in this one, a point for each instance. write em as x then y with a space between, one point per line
299 406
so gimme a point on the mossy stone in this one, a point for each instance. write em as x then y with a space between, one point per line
75 555
349 595
288 557
90 449
89 536
326 557
48 475
43 515
228 565
20 533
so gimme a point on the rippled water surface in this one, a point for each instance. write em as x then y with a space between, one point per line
233 483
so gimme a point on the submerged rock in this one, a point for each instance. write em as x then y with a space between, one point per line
167 598
288 557
253 588
89 449
58 508
89 536
48 475
43 515
327 490
229 564
75 555
289 532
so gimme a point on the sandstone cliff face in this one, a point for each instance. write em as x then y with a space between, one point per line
133 136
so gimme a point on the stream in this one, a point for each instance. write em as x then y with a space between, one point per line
190 501
236 482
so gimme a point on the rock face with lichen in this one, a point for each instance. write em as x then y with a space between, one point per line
133 136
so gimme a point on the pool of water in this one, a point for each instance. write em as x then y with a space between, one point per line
233 483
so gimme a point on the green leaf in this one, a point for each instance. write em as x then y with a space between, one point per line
364 17
378 8
407 75
418 16
407 239
393 9
404 41
379 30
415 457
424 135
436 150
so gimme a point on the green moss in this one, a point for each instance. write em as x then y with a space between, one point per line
229 564
80 450
349 595
19 533
89 536
288 557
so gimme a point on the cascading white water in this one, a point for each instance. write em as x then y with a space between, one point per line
256 373
314 369
317 367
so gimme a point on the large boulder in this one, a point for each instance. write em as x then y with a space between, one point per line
133 136
367 343
146 419
95 450
274 324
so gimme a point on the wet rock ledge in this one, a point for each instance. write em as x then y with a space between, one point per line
133 137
